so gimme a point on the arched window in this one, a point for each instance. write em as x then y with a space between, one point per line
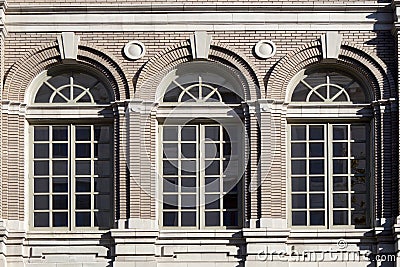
329 150
71 135
201 136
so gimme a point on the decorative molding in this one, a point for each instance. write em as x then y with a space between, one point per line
200 44
68 43
265 49
134 50
331 42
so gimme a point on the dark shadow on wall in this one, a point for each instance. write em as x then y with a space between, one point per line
108 242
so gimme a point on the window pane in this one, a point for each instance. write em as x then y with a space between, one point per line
230 201
212 150
102 151
359 201
340 200
317 201
60 167
358 132
212 218
299 201
170 184
60 219
41 133
41 219
358 166
102 219
212 184
358 218
170 150
231 218
340 217
82 202
358 150
41 150
170 202
102 134
82 219
41 167
103 185
170 218
60 185
41 185
60 202
298 132
83 184
298 150
298 167
60 150
316 132
188 218
188 133
83 133
358 183
316 166
188 150
188 201
299 184
212 167
212 201
340 132
340 150
212 133
60 133
316 149
170 167
339 166
102 168
188 184
170 133
83 150
299 218
41 202
340 183
317 218
317 183
188 167
102 202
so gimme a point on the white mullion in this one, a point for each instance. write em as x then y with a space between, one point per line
200 135
179 193
50 129
307 159
349 158
71 175
92 159
329 173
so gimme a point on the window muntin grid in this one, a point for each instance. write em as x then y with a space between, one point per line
72 176
72 88
200 185
328 174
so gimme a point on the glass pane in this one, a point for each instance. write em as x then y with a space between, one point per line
188 150
41 202
299 201
102 134
230 201
212 184
82 202
60 219
41 167
188 218
170 184
317 201
82 219
340 132
102 202
83 184
60 150
170 133
340 200
358 184
358 166
170 202
60 133
41 151
212 133
358 132
170 150
212 167
102 219
316 132
188 201
41 185
212 201
82 167
340 217
103 185
359 201
231 218
41 133
227 147
298 166
188 184
60 167
340 150
60 185
299 218
358 150
60 202
102 168
317 183
83 150
102 151
188 167
43 94
188 133
316 166
317 218
212 150
212 218
316 149
170 218
299 184
339 166
41 219
298 132
340 183
170 167
358 218
298 150
83 133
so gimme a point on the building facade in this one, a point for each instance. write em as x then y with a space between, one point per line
200 133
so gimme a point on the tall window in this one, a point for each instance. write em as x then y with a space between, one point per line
329 170
201 159
71 156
